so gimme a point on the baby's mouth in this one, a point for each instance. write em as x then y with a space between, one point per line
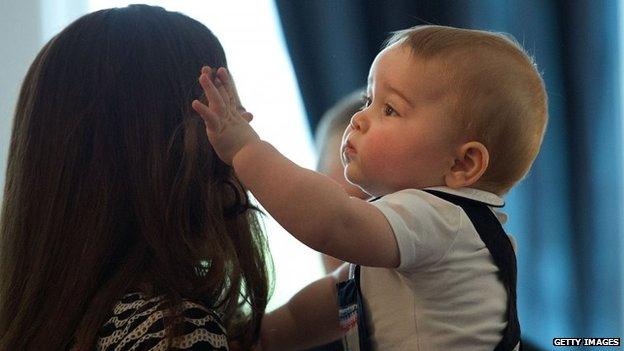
347 152
349 147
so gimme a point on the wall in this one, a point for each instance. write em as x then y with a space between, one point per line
24 27
20 39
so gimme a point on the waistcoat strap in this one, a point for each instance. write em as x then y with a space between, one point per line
498 243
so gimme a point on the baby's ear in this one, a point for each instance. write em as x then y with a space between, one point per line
471 161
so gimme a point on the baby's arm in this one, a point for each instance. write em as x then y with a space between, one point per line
309 319
309 205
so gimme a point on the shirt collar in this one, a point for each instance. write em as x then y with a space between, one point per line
473 194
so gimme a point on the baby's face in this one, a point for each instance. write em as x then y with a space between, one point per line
403 138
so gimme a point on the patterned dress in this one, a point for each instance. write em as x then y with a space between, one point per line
138 324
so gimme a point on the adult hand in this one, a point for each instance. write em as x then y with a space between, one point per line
227 122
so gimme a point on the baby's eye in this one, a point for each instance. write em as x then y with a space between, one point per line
389 110
366 101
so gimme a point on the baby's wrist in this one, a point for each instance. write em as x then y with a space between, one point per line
248 148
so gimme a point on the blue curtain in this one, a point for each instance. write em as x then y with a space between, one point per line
567 214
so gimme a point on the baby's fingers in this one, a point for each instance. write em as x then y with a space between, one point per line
247 116
212 121
224 76
225 95
216 102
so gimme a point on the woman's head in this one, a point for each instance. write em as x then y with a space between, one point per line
112 184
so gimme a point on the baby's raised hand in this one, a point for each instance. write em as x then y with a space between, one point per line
227 122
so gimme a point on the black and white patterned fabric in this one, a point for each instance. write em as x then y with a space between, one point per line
138 324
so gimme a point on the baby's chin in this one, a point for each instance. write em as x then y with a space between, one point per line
377 190
366 186
355 190
371 190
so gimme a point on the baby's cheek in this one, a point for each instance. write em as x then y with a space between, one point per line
384 158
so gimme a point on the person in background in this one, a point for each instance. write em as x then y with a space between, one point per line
453 119
120 227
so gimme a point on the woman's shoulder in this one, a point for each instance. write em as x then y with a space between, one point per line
138 323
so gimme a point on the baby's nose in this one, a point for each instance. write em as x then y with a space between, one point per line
358 121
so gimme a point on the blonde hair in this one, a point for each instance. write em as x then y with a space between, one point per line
497 94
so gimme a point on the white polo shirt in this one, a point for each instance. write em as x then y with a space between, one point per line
446 294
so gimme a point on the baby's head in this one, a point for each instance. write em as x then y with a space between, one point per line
497 93
472 102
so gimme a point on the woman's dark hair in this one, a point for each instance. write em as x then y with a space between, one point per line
113 187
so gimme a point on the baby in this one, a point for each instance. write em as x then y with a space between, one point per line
453 119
